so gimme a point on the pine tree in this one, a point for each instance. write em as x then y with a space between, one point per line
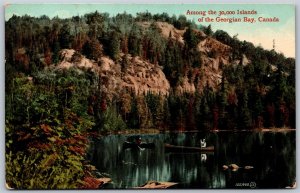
92 49
222 104
124 63
245 121
166 115
56 49
133 120
190 38
96 24
208 31
134 41
257 109
114 45
65 37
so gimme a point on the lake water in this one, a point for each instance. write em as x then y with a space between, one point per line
272 155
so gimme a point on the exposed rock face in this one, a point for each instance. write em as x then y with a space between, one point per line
213 55
185 86
142 77
67 60
139 76
244 61
215 48
168 29
110 74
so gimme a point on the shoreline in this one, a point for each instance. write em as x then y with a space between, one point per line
158 131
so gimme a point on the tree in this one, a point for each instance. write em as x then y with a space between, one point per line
181 22
92 49
245 121
155 105
134 40
96 24
124 63
56 49
194 58
190 38
134 120
65 37
114 45
126 104
257 109
280 86
190 117
207 103
124 43
222 104
208 31
222 36
166 115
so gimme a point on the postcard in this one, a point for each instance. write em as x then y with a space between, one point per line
150 96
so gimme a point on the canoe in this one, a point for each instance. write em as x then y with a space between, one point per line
175 148
127 145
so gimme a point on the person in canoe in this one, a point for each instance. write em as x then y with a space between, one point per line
202 143
136 142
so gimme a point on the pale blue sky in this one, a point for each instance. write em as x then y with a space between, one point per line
259 33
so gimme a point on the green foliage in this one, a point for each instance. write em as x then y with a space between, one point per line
134 118
92 49
155 105
245 121
65 37
190 38
222 36
112 121
95 22
207 30
135 40
181 22
194 58
46 119
43 170
114 45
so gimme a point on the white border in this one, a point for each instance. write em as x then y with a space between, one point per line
2 78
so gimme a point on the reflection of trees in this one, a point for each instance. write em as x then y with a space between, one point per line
271 154
279 166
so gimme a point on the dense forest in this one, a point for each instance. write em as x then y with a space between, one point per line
50 112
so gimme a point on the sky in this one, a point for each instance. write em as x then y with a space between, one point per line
259 33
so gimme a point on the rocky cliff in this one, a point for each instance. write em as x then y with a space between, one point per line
140 76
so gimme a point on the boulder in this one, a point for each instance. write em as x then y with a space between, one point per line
248 167
157 185
225 167
234 167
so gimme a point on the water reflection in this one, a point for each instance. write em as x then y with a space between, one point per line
271 154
